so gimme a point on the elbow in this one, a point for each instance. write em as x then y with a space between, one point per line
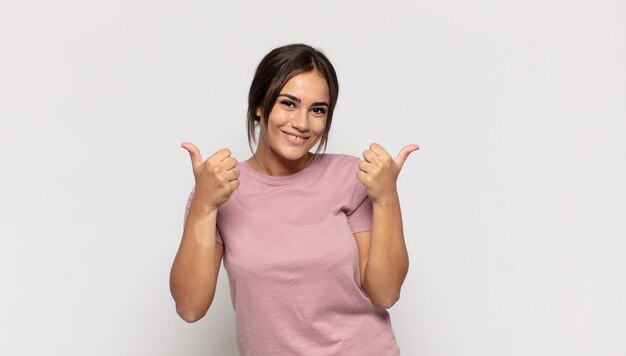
385 301
384 297
190 315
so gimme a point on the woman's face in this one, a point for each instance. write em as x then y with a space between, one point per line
298 118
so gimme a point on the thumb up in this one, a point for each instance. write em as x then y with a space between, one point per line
216 178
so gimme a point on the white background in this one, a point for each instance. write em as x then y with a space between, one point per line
514 207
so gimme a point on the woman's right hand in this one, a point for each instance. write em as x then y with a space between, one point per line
216 178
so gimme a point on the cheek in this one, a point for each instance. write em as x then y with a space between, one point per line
320 125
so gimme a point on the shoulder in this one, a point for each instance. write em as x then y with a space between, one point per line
337 160
338 169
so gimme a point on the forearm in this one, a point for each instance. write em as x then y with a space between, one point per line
388 260
194 272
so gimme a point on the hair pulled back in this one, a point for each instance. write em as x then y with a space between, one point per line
274 71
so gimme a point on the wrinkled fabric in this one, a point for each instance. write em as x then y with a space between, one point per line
293 263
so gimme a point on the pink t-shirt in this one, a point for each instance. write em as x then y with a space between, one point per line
293 263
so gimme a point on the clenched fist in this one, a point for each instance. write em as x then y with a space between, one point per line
216 178
378 171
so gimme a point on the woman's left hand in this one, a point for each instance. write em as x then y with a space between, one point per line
378 171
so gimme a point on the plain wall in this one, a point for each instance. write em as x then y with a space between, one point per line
514 207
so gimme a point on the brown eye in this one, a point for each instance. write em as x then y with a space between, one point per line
320 110
288 103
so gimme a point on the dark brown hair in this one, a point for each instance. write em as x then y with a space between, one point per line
275 70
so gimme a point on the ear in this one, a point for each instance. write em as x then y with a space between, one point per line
259 111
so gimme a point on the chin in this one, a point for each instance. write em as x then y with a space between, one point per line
293 154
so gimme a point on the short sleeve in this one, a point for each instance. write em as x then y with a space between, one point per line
360 219
218 236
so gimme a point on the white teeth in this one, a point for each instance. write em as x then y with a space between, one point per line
296 138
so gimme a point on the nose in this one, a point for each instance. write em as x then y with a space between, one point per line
300 120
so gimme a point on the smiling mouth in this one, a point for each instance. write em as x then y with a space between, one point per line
296 140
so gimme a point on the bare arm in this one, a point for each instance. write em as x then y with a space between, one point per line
384 259
195 269
193 277
383 255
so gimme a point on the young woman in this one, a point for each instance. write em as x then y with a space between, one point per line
312 243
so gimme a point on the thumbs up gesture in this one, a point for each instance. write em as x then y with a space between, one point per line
378 171
216 178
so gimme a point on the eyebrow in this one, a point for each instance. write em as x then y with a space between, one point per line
298 100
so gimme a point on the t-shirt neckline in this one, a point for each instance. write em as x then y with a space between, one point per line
282 180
